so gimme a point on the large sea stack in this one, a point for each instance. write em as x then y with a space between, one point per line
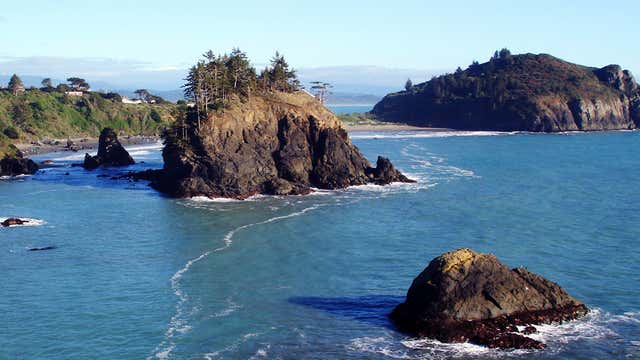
527 92
463 296
110 152
273 143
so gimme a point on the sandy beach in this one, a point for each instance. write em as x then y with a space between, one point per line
389 127
78 144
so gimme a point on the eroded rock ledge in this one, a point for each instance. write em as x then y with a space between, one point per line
280 144
463 296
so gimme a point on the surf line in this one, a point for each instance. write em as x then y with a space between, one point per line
178 324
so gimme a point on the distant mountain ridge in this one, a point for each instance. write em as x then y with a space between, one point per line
526 92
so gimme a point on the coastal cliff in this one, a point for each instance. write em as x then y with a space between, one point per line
526 92
272 143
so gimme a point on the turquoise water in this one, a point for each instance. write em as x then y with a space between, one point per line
348 109
137 275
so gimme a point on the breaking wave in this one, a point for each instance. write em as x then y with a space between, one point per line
591 330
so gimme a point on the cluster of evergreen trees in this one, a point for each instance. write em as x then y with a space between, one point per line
216 78
74 84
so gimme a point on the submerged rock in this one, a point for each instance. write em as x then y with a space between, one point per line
276 144
110 152
463 296
43 248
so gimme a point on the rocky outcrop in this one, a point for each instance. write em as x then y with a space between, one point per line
464 296
527 92
110 152
278 143
15 164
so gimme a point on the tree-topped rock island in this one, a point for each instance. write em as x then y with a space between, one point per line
526 92
246 134
464 296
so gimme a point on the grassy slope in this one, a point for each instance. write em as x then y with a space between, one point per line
35 114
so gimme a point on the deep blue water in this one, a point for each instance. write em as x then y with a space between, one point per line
137 275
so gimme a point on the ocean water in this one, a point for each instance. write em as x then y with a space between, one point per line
348 109
139 276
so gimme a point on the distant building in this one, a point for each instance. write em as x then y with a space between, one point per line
74 93
126 100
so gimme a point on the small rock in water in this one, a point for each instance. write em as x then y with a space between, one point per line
43 248
529 330
13 222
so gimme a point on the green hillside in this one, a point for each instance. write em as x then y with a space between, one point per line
36 114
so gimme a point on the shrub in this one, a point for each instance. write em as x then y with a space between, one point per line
11 132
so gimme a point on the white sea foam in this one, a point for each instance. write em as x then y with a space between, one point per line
205 199
178 324
597 325
424 134
435 164
29 222
14 177
234 346
230 309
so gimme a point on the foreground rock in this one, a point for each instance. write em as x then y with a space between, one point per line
14 163
463 296
279 144
13 222
110 152
520 93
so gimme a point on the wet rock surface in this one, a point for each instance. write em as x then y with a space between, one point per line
463 296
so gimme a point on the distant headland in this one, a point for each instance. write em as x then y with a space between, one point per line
527 92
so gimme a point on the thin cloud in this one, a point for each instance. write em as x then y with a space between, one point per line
122 72
3 19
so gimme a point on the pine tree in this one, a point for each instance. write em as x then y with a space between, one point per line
408 85
47 84
15 85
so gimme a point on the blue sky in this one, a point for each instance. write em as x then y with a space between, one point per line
151 40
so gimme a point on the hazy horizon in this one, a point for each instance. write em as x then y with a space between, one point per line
358 46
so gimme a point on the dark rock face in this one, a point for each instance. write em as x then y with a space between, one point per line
17 165
110 152
13 222
527 92
384 173
465 296
283 144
